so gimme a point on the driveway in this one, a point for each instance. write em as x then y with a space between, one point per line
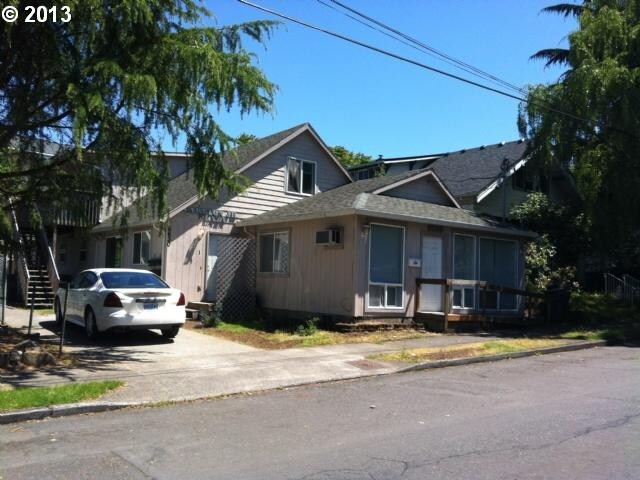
138 352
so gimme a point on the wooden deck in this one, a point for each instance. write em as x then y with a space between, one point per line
480 317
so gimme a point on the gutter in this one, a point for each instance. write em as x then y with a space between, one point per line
392 216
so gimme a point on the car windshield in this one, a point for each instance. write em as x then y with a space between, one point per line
131 280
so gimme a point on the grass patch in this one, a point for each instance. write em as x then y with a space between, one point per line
601 317
466 350
32 397
45 311
254 335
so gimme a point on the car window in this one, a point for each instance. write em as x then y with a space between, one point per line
86 280
132 280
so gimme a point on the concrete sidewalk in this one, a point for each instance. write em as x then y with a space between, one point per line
198 366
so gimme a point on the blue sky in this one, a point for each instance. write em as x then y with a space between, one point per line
380 106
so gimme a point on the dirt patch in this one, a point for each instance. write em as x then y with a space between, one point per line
282 340
18 354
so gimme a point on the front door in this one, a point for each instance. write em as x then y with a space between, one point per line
431 295
212 260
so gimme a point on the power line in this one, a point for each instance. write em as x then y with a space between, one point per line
543 104
426 48
383 52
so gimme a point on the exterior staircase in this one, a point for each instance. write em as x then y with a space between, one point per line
38 286
40 290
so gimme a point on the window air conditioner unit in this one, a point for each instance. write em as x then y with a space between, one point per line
330 236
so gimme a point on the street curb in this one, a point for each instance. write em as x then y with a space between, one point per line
63 411
503 356
96 407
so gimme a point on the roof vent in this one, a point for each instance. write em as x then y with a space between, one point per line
379 157
482 147
463 150
520 140
502 143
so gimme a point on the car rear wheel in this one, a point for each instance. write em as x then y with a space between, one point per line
90 326
170 332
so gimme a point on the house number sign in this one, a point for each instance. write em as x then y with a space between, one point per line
212 215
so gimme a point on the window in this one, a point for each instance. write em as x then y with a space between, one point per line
364 174
464 268
141 243
301 176
132 280
87 280
274 252
530 180
113 252
498 266
386 253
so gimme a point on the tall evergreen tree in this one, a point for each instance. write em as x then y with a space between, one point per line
600 140
111 86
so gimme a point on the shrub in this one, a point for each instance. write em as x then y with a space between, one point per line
209 319
308 327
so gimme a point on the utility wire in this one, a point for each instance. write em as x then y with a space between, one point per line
448 58
425 66
383 52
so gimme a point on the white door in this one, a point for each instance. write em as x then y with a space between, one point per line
431 295
212 259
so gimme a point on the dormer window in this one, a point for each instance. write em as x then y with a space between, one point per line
301 176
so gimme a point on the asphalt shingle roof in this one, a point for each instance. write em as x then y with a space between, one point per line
464 172
468 172
358 198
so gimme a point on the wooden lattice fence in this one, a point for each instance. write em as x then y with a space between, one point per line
236 277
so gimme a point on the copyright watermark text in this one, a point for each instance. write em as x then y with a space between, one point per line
36 14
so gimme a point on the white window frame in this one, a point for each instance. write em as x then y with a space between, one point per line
517 272
273 234
301 162
133 248
475 273
385 306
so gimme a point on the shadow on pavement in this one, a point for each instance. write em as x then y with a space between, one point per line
112 352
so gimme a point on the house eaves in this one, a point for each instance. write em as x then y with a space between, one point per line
484 193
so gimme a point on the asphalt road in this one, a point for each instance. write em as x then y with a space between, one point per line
567 416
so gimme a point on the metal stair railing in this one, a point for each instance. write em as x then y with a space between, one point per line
24 278
622 288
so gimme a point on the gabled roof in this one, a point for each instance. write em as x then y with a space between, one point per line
465 172
360 198
468 172
182 191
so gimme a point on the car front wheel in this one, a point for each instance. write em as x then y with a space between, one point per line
90 326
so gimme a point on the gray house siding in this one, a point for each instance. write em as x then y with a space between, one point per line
268 190
422 190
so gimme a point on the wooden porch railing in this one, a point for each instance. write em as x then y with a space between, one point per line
482 286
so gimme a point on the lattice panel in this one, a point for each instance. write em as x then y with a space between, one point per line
236 277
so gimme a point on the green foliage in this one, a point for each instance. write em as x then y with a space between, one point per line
603 151
110 86
210 319
32 397
565 228
538 257
245 138
348 158
551 258
308 327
